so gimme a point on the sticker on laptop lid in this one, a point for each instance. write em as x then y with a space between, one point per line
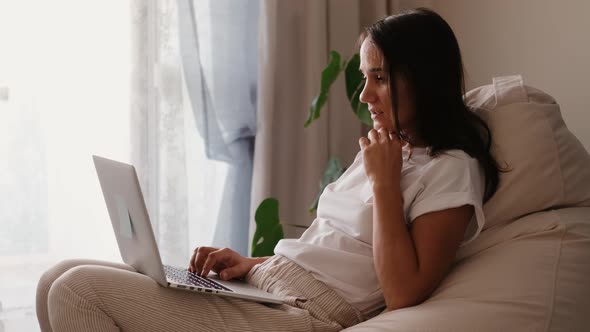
125 225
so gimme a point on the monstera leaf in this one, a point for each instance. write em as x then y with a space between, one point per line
354 87
329 75
268 228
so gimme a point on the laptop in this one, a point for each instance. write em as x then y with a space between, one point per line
138 247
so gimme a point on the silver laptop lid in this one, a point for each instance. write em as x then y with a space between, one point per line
129 217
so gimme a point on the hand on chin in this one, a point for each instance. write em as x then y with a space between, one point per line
378 125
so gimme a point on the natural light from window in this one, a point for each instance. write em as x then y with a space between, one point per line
64 81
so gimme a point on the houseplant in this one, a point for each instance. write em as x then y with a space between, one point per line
269 229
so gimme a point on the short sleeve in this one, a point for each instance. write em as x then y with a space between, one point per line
451 180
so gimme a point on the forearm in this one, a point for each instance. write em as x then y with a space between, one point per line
250 262
258 260
396 260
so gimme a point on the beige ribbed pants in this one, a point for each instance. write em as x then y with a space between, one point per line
85 295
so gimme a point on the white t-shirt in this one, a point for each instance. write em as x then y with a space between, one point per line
337 248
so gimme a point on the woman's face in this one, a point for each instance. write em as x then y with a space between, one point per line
376 92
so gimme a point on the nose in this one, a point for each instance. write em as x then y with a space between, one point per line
367 95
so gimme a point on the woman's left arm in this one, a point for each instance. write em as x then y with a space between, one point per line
410 263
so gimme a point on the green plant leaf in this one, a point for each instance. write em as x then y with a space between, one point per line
332 172
353 75
354 87
268 228
329 75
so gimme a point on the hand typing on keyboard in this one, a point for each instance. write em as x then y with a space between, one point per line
226 262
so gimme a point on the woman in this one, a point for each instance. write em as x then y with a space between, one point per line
386 232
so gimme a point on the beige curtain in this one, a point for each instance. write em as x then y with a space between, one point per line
295 39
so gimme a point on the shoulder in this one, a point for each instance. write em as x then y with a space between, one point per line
449 180
452 170
452 159
450 162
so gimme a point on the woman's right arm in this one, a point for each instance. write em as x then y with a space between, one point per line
226 262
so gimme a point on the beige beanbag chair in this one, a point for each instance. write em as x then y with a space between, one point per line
528 270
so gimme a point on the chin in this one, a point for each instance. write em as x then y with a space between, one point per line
378 125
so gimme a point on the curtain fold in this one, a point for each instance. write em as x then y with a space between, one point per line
158 135
218 42
295 40
198 89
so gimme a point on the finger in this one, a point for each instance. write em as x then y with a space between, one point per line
373 135
191 263
208 265
363 142
212 259
218 267
201 257
383 135
194 266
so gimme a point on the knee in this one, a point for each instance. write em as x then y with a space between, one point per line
46 281
70 294
74 283
50 275
76 279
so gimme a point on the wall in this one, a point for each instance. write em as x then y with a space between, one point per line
546 41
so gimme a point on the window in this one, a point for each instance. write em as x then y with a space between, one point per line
82 78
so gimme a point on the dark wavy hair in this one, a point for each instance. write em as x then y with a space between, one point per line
420 47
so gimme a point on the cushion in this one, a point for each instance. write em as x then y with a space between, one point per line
534 280
530 271
547 166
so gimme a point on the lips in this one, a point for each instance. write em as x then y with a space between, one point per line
375 114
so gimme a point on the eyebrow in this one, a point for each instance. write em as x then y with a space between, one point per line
372 70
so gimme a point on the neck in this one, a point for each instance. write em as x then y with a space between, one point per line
416 140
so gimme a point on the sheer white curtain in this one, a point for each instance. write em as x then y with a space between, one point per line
92 77
182 187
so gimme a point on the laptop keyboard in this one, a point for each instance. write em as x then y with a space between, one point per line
184 277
